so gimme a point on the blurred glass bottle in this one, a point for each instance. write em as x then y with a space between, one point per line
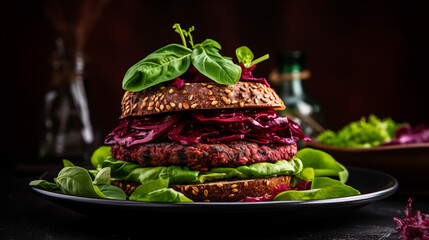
68 132
290 79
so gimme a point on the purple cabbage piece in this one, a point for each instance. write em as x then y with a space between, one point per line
407 135
256 125
414 225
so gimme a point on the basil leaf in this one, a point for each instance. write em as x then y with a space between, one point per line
210 43
75 181
67 163
99 155
110 192
162 65
44 185
208 61
159 195
321 188
103 176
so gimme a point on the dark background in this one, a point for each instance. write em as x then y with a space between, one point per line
365 56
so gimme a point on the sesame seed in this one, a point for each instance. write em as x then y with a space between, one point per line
190 97
225 100
161 107
167 107
219 184
150 108
171 90
214 102
227 91
180 105
231 195
210 86
184 92
210 92
234 190
194 105
241 103
206 192
172 104
151 104
157 104
185 106
162 87
234 186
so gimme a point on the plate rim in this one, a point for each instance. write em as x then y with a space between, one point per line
361 199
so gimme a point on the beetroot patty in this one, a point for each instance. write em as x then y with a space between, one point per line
202 156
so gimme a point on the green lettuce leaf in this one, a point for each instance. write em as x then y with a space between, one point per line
128 171
364 133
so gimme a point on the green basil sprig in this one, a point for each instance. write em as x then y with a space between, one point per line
173 60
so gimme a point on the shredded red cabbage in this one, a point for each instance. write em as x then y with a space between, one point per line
256 125
247 76
407 135
414 225
303 185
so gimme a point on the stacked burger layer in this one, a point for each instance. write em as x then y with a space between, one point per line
224 136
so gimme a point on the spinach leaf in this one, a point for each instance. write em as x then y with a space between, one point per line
245 56
207 60
162 65
322 164
321 188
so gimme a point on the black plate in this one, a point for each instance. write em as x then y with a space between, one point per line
373 185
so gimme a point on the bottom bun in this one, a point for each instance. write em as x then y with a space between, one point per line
226 191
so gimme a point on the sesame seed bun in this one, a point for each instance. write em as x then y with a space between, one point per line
198 96
225 191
